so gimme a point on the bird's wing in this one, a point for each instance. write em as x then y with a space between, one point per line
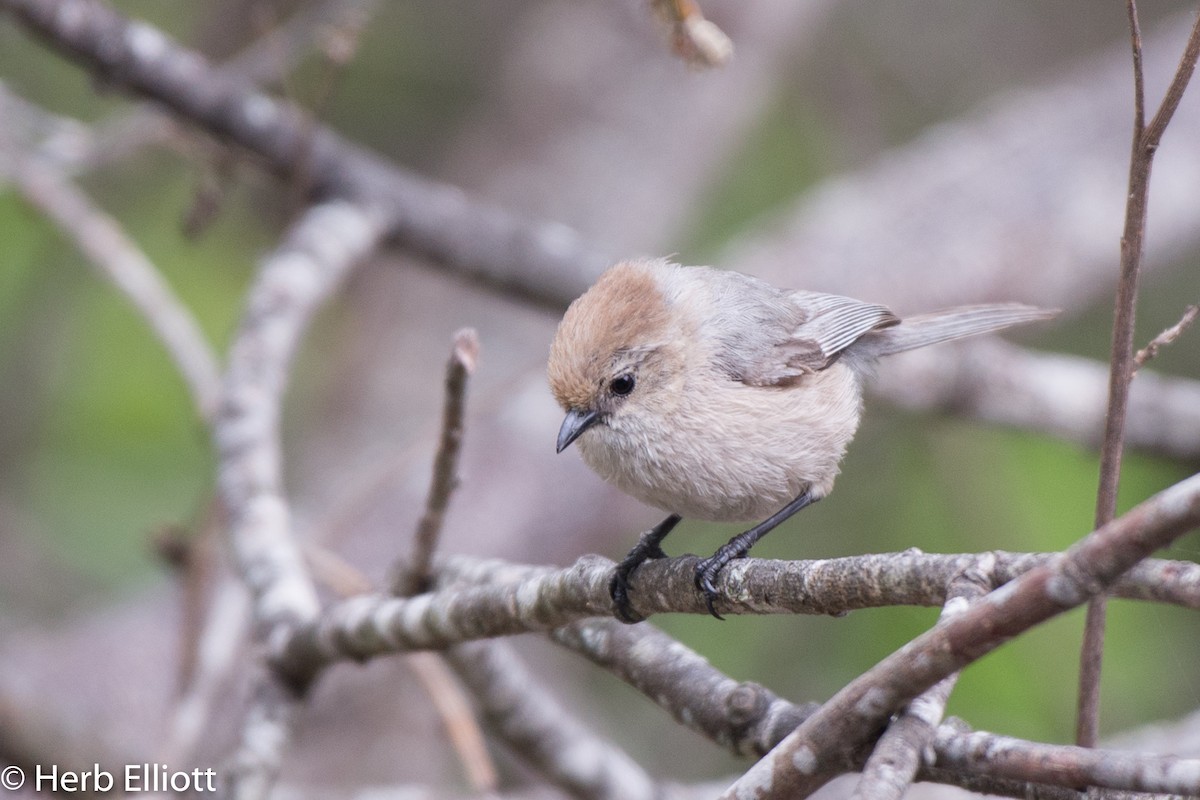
764 336
834 322
824 326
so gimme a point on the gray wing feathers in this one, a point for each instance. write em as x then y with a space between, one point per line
944 326
765 337
834 322
803 336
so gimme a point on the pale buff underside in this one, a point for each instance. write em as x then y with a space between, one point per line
707 453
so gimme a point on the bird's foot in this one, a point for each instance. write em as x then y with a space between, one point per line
618 587
709 568
648 547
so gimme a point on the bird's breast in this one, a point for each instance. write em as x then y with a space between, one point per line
733 452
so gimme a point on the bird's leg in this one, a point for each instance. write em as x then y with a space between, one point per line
647 547
737 547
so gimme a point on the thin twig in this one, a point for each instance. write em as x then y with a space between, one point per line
221 639
414 577
1183 75
215 627
1167 337
1139 80
1123 362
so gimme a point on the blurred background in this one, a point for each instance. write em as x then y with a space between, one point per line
917 154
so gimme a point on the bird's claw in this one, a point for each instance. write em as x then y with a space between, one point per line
706 571
618 588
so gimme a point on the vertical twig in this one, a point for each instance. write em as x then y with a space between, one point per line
1123 362
414 577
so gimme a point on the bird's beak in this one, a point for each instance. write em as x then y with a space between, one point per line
575 423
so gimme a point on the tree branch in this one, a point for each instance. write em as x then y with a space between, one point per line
479 599
1063 765
1049 393
317 253
748 719
542 261
810 754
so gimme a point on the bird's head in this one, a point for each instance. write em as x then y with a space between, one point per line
612 357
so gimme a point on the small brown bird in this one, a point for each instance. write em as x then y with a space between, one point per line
712 394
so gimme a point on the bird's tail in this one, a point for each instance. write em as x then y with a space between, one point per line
953 323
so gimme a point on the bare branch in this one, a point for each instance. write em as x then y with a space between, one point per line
1153 132
429 668
1005 757
838 585
545 262
317 253
267 732
743 717
118 258
808 756
1139 80
415 577
1167 337
221 639
481 599
368 626
749 720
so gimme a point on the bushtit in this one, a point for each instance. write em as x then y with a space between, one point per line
712 394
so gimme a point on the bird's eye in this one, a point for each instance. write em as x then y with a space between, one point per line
622 384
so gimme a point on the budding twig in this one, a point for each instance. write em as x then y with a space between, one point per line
1167 337
696 40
